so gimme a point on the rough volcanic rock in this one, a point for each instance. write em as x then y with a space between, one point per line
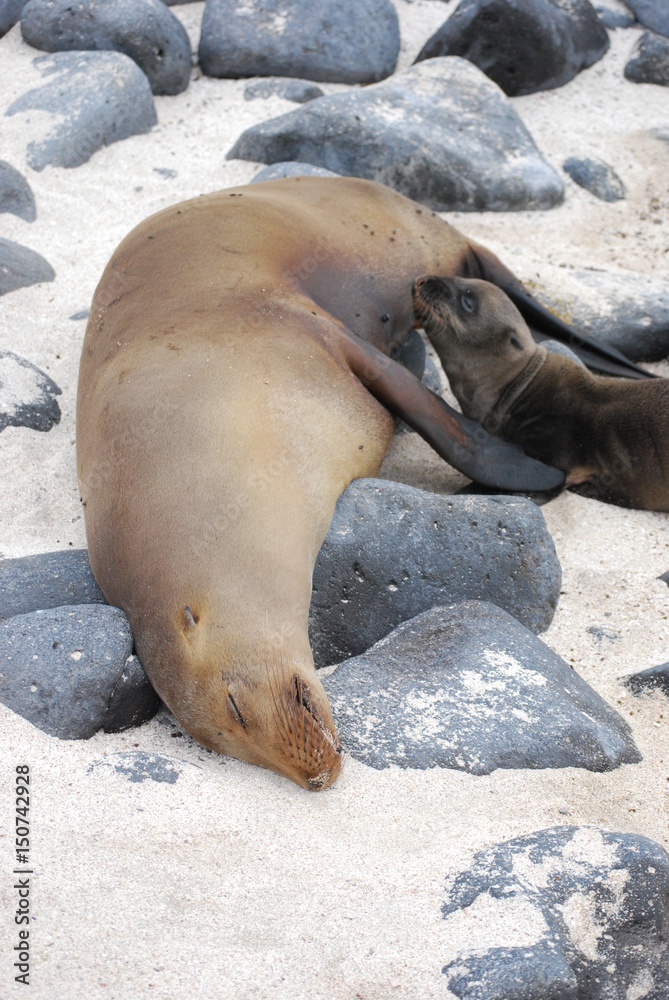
10 13
47 580
614 19
649 60
341 41
27 396
440 132
298 91
145 30
393 551
95 98
20 267
70 671
653 14
291 169
596 177
568 913
653 679
523 45
468 687
623 309
15 194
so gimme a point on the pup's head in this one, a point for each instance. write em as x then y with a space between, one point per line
482 340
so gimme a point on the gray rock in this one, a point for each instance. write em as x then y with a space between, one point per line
625 310
27 395
557 347
393 551
298 91
292 169
596 177
594 902
139 766
67 671
145 30
655 678
614 19
653 14
649 61
15 194
47 580
21 267
96 98
341 41
440 132
10 13
469 688
523 45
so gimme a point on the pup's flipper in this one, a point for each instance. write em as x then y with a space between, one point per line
461 442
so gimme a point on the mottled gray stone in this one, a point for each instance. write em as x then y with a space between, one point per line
292 169
653 679
47 580
441 133
623 309
649 60
614 19
341 41
20 267
10 13
67 671
557 347
27 395
468 687
653 14
596 177
96 98
523 45
298 91
595 902
15 194
393 551
145 30
140 766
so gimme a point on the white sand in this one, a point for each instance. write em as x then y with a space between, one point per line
233 883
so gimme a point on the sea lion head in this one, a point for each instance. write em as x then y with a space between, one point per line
482 340
260 701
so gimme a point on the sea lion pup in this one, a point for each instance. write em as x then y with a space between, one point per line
236 375
608 433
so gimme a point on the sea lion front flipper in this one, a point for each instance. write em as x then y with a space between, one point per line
461 442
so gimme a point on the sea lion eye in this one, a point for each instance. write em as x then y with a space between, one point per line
468 302
515 343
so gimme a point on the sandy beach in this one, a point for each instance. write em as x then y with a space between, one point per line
229 882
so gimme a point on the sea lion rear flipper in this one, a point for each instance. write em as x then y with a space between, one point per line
482 263
461 442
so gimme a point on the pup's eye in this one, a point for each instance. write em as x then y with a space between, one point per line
468 302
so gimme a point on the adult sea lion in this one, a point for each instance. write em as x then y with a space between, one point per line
235 377
610 434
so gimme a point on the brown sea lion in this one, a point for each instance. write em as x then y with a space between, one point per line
608 433
235 377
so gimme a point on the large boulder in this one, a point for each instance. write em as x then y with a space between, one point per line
468 687
94 98
145 30
393 551
653 14
523 45
440 132
568 913
71 671
341 41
